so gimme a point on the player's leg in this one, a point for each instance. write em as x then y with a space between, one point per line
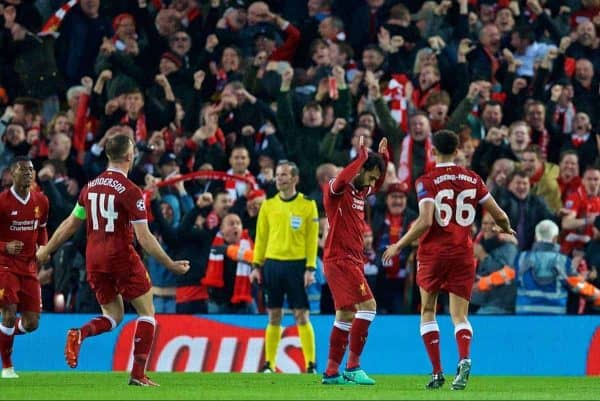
298 301
20 293
338 342
460 285
143 338
459 308
112 307
307 339
274 293
430 333
364 316
7 331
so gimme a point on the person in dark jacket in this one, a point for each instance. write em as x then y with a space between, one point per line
523 209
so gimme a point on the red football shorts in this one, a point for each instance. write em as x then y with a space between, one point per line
455 275
347 283
21 290
130 283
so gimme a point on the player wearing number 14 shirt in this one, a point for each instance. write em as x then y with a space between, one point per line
113 208
448 198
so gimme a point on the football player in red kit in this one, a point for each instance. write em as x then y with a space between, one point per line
113 208
23 217
448 197
344 199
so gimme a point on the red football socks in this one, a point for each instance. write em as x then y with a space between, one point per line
430 333
463 333
338 341
97 325
6 345
143 337
358 336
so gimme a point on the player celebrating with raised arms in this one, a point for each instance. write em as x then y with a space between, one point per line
112 204
344 200
448 196
23 217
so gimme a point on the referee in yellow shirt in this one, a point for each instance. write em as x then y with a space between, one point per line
285 258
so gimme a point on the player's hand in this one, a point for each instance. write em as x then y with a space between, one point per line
42 255
390 252
309 278
14 247
255 275
383 148
180 266
506 230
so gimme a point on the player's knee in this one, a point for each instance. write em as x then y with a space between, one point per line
30 324
8 320
302 316
275 316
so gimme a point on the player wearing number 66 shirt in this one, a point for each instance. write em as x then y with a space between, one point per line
448 199
113 208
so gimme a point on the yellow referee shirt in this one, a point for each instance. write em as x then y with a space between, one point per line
287 230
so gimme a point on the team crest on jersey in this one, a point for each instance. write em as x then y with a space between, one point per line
363 289
36 212
296 222
140 205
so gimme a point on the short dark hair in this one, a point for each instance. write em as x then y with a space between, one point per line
16 160
116 147
592 166
568 152
517 173
445 141
31 105
293 166
374 160
533 148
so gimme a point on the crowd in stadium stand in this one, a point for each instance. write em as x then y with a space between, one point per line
235 86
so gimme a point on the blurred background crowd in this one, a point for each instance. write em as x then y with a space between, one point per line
235 86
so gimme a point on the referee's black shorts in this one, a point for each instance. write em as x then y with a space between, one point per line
285 277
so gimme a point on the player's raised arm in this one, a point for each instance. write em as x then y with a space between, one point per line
419 227
148 241
499 215
346 176
65 231
383 151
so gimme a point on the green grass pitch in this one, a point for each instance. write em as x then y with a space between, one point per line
245 386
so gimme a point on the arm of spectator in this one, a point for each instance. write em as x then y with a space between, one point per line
287 50
286 119
328 151
543 23
462 112
388 125
163 82
342 106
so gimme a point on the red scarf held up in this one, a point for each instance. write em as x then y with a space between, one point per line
242 253
406 159
141 131
395 96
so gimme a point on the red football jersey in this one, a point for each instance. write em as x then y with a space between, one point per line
346 217
22 220
112 204
456 192
584 205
